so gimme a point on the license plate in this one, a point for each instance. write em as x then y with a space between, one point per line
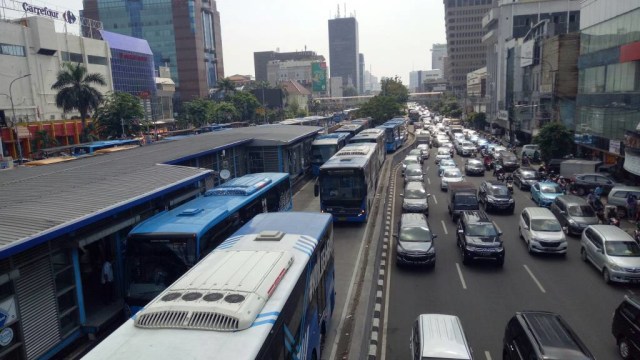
342 218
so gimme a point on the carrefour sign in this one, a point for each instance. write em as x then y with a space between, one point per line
68 16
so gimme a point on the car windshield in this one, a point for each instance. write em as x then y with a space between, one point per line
415 194
452 173
510 158
529 175
415 234
499 191
622 248
447 162
442 151
416 152
550 189
474 163
545 225
408 161
486 229
414 171
581 211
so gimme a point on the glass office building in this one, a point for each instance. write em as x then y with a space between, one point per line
608 104
132 65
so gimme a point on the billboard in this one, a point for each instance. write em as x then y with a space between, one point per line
526 53
319 76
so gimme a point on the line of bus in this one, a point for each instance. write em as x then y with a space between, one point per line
375 136
267 292
324 147
162 248
347 182
392 137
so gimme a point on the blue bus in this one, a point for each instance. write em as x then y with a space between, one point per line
375 136
163 247
392 137
347 182
267 292
404 134
324 147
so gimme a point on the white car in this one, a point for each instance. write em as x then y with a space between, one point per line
541 231
425 150
443 153
467 149
410 159
450 176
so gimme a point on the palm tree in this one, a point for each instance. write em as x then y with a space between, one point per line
75 91
226 88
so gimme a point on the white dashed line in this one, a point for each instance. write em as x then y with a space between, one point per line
428 181
464 284
534 278
487 355
434 199
444 226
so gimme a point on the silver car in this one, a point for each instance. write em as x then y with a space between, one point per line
417 152
413 172
450 176
408 160
613 252
541 231
415 198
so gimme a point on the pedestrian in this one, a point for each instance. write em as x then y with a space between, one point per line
107 282
598 191
632 206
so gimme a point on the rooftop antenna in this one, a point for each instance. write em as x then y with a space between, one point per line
338 13
345 9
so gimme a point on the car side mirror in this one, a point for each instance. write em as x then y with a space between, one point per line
526 227
562 212
433 236
401 195
599 250
460 231
316 190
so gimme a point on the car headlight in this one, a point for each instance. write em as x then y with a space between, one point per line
400 250
511 200
572 222
615 267
431 250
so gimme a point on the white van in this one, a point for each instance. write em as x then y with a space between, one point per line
529 150
437 336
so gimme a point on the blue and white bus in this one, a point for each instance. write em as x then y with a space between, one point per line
392 137
324 147
350 129
404 134
267 292
375 136
347 182
163 247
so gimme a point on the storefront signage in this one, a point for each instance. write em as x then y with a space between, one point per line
6 335
503 115
68 16
632 163
614 146
8 312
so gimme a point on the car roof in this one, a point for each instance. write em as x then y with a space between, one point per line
625 188
611 232
414 185
414 166
495 183
476 216
442 337
554 336
474 161
572 200
413 219
539 212
527 169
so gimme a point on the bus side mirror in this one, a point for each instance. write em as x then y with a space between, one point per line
316 190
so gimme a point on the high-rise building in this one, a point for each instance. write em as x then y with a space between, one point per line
262 58
186 39
344 51
438 53
418 78
361 73
465 53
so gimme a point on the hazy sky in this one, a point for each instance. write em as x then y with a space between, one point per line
395 36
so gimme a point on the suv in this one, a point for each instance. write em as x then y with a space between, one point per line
583 183
415 241
507 160
541 335
625 327
438 336
494 195
479 238
573 213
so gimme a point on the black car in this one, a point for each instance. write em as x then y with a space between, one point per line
473 167
524 177
626 327
507 160
415 241
494 195
541 335
479 238
583 183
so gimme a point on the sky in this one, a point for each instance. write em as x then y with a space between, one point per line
395 36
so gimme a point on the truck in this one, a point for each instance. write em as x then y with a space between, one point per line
462 196
571 167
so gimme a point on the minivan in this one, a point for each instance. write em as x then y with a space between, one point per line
625 327
438 336
415 198
573 213
541 231
541 335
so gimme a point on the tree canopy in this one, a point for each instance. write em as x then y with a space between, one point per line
245 104
394 88
197 112
117 109
380 108
555 141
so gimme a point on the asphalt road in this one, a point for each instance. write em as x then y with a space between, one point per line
485 296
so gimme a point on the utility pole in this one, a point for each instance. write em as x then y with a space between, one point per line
15 122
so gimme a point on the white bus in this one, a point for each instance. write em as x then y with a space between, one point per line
267 292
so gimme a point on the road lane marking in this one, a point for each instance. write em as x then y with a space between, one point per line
428 181
435 200
487 354
464 284
534 278
444 227
385 317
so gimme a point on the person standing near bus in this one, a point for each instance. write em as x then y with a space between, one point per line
107 282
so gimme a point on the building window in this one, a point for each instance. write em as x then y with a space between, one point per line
592 80
70 56
621 77
98 60
14 50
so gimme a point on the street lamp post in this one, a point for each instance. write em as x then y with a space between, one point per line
13 110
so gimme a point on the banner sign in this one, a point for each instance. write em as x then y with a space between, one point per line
68 16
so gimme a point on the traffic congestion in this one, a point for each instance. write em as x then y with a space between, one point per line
517 258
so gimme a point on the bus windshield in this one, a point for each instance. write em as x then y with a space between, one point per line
342 185
321 153
156 263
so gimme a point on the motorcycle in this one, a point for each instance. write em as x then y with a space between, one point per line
612 215
510 185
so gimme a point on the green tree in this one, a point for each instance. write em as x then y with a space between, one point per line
198 112
224 112
349 91
117 109
394 88
380 108
45 140
555 141
75 91
246 105
226 87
